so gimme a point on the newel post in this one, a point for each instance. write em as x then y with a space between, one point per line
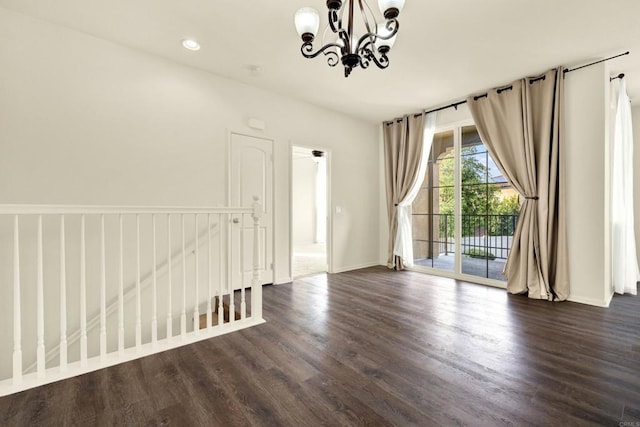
256 284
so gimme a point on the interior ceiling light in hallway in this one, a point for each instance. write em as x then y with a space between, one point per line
344 44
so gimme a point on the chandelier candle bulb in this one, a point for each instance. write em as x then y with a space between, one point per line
345 46
307 23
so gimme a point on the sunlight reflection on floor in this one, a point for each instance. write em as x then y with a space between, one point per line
309 259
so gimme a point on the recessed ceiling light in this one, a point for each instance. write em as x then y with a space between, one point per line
190 44
255 70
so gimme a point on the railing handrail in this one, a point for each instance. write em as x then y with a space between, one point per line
33 209
450 214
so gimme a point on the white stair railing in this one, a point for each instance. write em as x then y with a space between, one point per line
115 305
126 325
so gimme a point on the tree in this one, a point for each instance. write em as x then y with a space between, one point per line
508 209
480 197
507 206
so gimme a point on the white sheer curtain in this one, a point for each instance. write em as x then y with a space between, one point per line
404 241
625 264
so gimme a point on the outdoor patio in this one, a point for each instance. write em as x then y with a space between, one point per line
488 268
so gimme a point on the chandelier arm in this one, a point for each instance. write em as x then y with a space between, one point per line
392 24
332 60
363 61
368 55
382 63
335 24
344 36
367 39
364 17
333 20
339 16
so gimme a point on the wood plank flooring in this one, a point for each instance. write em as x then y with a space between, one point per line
374 347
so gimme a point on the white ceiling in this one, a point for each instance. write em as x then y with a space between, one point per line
446 49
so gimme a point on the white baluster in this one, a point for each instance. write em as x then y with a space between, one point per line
209 272
169 279
83 295
17 311
154 313
40 350
230 286
256 284
138 305
220 273
63 298
121 292
243 301
103 293
196 311
183 313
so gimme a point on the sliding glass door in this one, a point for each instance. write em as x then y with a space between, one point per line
433 220
465 213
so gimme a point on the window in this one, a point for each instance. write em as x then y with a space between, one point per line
465 213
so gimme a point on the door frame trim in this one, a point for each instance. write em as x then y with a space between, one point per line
329 237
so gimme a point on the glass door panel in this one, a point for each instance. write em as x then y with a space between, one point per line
489 209
464 188
433 208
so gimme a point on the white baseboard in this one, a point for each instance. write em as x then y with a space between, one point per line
114 358
356 267
283 280
590 301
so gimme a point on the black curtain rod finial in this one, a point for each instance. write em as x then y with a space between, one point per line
619 76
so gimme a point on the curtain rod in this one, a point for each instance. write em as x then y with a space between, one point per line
535 79
597 62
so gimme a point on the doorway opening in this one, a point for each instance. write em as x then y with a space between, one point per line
308 211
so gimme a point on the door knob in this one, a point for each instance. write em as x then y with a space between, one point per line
236 220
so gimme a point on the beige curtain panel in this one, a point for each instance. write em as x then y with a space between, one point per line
522 127
403 145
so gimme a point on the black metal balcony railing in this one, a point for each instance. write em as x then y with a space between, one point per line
483 236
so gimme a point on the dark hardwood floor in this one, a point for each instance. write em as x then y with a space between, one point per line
374 347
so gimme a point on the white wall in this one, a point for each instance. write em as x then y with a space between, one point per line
383 231
304 171
586 132
86 121
636 174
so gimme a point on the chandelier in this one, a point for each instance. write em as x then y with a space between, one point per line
372 46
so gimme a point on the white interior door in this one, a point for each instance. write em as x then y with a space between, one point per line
251 174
